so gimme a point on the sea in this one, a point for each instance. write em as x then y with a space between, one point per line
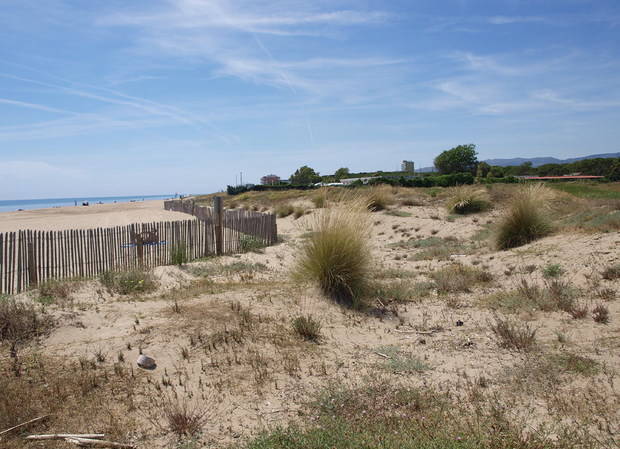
46 203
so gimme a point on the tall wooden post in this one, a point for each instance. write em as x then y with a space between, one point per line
218 213
32 265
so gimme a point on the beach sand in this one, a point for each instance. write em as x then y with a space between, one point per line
88 217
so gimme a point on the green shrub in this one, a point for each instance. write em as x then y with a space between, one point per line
128 282
307 327
337 253
178 254
467 200
525 220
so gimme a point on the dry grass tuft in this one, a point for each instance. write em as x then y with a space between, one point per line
513 335
600 314
459 278
284 210
526 219
337 254
611 273
379 198
53 289
20 322
307 327
184 420
467 200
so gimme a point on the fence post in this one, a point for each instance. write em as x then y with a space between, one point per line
32 265
219 229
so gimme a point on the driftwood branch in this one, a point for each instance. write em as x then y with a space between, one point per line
62 436
89 442
24 424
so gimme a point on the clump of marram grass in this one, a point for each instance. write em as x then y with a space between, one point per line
284 210
467 200
337 254
457 278
379 198
307 327
298 212
525 219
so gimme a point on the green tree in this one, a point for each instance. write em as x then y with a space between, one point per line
614 173
304 175
459 159
496 171
341 173
483 170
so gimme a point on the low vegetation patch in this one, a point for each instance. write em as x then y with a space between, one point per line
53 290
399 362
178 254
612 272
387 416
128 282
457 278
552 295
337 255
514 335
250 243
526 218
467 200
20 321
379 198
307 327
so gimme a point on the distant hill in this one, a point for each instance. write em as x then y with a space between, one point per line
536 161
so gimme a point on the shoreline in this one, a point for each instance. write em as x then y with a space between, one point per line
88 217
56 203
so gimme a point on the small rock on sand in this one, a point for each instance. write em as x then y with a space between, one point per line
146 362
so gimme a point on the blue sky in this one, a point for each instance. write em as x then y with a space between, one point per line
146 97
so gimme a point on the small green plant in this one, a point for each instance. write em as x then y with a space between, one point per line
526 218
398 213
399 362
513 335
553 270
128 282
467 200
178 254
307 327
577 364
250 243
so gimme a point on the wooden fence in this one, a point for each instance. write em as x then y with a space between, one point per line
30 257
237 225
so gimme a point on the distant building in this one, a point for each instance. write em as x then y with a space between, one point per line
270 180
407 166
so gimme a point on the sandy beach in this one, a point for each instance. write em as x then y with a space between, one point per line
87 217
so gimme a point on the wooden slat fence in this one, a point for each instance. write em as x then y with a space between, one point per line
30 257
239 224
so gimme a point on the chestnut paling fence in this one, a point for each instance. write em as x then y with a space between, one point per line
28 257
